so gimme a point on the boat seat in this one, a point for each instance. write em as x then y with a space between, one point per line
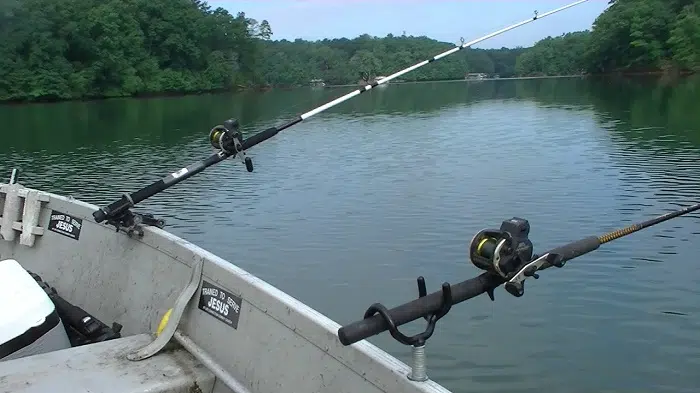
103 368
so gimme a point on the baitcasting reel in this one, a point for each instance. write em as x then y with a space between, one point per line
503 251
229 140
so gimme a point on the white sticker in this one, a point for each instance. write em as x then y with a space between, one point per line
179 173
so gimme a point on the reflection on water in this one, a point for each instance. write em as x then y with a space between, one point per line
359 201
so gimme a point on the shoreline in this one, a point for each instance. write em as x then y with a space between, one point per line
239 88
469 80
145 96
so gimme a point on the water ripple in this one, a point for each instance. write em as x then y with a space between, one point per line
353 208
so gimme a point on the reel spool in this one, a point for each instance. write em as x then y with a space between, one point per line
502 251
229 140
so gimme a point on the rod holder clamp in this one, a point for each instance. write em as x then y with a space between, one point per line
132 223
418 369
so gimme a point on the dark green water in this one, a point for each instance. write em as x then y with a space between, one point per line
350 207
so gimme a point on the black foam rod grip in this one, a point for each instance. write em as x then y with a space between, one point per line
576 249
76 317
260 137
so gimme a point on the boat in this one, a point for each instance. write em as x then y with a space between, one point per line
88 309
317 83
224 330
105 300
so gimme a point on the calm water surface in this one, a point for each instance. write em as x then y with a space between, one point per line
350 207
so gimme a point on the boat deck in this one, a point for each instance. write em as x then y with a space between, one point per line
104 368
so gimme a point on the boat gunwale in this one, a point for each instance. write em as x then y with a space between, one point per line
325 338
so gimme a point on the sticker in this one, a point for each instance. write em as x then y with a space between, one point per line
179 173
220 303
65 224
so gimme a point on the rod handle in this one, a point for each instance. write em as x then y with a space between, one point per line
574 250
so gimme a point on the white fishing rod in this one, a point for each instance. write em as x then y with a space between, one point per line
434 58
229 141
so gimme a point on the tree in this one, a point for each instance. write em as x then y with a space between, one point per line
365 64
685 38
630 35
264 31
106 48
554 56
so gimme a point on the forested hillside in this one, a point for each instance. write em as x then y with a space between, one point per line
344 61
74 49
61 49
630 36
68 49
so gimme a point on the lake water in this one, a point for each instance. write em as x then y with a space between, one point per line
349 207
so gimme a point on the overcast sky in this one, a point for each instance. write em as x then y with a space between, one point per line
445 20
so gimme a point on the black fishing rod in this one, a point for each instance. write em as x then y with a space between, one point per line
228 139
506 255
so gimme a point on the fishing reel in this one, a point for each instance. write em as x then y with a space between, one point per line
228 139
503 251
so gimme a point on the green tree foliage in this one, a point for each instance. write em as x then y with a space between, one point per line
347 61
684 41
555 56
106 48
72 49
630 36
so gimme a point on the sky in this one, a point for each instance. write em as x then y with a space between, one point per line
444 20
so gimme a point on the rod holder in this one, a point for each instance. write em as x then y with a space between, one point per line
418 366
417 342
13 176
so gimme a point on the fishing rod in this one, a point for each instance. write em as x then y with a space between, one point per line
506 256
228 139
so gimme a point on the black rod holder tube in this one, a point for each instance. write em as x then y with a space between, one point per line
418 308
